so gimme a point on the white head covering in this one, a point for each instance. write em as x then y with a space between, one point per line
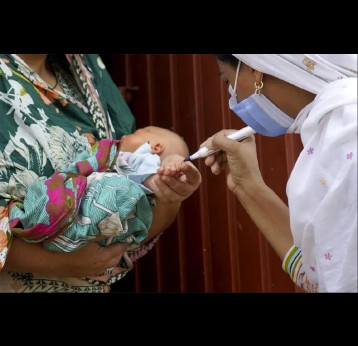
311 72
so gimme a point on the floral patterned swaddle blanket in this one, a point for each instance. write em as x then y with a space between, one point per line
84 201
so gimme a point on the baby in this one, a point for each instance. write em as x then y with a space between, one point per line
103 196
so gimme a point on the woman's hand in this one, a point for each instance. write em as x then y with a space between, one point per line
238 158
169 189
92 259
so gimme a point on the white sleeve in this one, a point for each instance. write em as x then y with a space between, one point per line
322 195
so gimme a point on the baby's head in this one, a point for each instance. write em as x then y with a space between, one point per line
163 142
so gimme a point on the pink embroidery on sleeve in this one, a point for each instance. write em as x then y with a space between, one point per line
328 256
310 151
349 156
306 285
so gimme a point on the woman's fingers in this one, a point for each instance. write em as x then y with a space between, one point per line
216 162
93 259
192 175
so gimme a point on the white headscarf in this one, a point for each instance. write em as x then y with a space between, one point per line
311 72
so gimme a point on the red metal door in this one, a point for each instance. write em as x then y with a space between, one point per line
213 246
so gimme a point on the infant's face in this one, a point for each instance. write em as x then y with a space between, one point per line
135 140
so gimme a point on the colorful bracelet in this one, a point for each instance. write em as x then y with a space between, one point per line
293 265
292 261
137 253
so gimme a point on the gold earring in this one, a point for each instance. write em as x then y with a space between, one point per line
258 87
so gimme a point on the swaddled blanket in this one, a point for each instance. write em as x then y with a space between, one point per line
84 202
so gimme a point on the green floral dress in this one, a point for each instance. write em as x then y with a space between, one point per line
41 130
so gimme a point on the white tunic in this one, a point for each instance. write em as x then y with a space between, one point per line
322 189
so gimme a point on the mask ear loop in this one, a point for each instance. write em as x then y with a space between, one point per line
237 74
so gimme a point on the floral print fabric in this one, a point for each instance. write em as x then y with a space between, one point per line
41 131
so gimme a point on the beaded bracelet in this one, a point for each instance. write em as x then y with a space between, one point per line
136 253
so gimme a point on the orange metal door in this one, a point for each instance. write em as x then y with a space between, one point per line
213 246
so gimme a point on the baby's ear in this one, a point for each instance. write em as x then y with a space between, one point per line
157 148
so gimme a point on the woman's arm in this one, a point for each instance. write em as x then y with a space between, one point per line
269 213
244 179
170 192
163 216
89 260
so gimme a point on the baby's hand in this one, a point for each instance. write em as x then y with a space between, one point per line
171 169
171 166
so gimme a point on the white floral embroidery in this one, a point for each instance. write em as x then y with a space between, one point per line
3 67
17 97
100 63
64 147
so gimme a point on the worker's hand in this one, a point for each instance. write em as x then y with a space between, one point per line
239 159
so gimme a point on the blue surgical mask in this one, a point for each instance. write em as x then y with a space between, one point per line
259 113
